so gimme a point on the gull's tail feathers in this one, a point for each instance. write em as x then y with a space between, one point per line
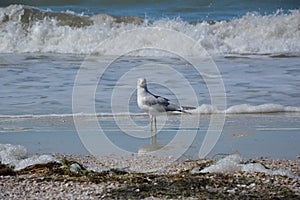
185 109
188 108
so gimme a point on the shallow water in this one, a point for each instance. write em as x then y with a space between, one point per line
33 84
265 135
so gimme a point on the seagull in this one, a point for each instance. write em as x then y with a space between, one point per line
153 104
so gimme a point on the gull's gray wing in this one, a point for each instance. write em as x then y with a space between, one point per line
161 103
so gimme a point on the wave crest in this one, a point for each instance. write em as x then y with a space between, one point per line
203 109
247 109
26 29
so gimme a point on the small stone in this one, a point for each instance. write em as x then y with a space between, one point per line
195 170
232 191
75 168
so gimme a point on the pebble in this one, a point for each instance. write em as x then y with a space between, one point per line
29 186
75 168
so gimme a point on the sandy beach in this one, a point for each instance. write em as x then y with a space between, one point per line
86 177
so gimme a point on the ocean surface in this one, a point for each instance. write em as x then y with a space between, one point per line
68 75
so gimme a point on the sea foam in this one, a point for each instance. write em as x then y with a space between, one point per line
203 109
16 157
26 29
234 163
246 109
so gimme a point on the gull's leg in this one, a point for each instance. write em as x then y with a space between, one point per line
153 139
155 128
151 121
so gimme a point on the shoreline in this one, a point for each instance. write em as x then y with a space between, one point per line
127 178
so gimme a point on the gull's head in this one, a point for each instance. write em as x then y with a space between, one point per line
142 83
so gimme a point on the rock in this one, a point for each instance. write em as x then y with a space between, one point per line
76 168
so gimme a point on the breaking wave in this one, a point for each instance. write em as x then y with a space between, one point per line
248 109
203 109
25 29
